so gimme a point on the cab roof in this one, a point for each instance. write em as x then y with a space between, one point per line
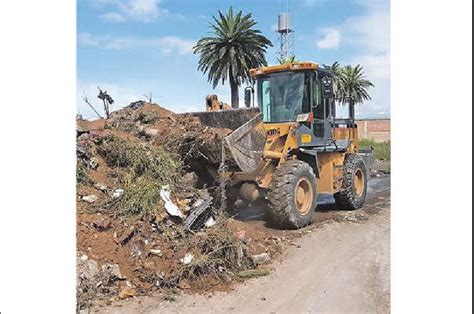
299 66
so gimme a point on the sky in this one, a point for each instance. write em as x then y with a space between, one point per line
134 48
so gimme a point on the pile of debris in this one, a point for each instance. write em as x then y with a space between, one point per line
146 199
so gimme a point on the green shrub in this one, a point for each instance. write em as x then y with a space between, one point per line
148 167
381 150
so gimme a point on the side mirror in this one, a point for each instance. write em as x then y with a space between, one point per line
328 89
248 96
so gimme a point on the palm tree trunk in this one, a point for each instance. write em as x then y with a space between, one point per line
234 92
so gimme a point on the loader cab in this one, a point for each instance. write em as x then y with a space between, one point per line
290 96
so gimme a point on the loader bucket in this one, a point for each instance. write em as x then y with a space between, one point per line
225 119
245 144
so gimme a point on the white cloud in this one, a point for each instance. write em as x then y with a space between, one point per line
113 17
133 10
330 40
171 43
167 45
370 34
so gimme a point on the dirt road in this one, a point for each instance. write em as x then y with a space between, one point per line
342 264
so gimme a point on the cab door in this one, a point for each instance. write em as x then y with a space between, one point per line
321 111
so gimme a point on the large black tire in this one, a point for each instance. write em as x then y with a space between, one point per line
289 207
354 184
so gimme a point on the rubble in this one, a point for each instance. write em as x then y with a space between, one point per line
146 208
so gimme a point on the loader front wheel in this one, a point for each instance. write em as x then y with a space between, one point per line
292 195
354 184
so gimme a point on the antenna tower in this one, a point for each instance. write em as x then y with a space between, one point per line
286 38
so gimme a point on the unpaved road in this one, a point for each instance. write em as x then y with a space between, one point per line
336 267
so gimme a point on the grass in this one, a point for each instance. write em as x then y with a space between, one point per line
381 150
252 273
148 167
215 255
81 173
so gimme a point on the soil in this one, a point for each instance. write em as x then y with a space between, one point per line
340 263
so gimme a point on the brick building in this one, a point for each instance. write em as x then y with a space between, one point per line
374 129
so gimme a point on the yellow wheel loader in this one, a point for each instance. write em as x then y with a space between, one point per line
293 148
304 151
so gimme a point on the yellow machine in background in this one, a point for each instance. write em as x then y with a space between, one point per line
305 151
213 104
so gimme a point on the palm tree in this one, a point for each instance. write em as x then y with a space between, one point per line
232 51
288 60
354 85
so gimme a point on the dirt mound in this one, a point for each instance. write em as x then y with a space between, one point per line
129 240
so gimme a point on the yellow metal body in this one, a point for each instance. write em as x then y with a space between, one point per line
284 68
282 144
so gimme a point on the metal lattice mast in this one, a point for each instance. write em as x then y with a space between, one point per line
286 34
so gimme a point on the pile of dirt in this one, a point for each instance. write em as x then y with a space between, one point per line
129 240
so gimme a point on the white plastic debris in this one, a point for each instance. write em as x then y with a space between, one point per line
89 198
188 258
100 186
170 207
117 193
155 252
210 222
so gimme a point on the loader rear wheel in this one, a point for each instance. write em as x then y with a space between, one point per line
292 195
354 184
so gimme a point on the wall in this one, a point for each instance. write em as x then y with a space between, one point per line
374 129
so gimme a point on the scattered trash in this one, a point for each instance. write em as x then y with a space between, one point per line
136 105
155 252
113 271
261 258
87 268
100 187
200 215
170 207
93 163
117 193
187 259
89 198
210 222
